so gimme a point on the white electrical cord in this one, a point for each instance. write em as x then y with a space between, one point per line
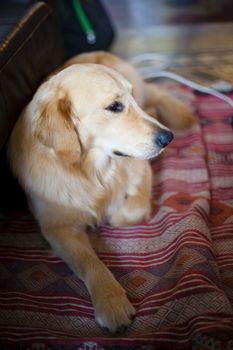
158 71
192 84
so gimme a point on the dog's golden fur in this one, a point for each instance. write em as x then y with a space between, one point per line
67 151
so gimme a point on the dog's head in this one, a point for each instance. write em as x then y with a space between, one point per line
89 106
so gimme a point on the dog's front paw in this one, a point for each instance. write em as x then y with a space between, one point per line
114 312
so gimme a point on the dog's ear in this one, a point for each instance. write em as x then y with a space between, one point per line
55 129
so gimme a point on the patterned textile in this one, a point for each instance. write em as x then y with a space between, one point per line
177 268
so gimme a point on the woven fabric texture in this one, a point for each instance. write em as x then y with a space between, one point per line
177 268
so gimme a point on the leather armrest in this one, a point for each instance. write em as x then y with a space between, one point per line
31 47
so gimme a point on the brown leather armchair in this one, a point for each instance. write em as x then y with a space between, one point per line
31 47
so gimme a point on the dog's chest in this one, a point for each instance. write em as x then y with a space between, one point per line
111 183
122 179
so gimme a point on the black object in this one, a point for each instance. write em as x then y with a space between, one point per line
75 34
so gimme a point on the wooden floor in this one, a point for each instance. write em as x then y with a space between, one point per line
199 46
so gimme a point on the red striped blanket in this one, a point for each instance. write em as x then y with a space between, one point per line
177 268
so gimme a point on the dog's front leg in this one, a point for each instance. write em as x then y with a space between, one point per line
112 307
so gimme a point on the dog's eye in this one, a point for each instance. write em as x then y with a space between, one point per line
116 107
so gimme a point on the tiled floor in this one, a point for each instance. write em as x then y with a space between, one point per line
200 47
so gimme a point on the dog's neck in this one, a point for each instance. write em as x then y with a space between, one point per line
100 170
98 165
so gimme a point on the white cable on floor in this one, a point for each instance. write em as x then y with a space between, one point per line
192 84
155 72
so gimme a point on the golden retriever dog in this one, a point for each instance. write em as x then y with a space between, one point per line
80 150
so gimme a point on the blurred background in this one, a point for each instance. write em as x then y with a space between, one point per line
190 37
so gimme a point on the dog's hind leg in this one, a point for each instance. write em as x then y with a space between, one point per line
112 307
174 113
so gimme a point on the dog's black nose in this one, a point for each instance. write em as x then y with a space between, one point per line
163 138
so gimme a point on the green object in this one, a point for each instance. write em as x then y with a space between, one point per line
84 22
